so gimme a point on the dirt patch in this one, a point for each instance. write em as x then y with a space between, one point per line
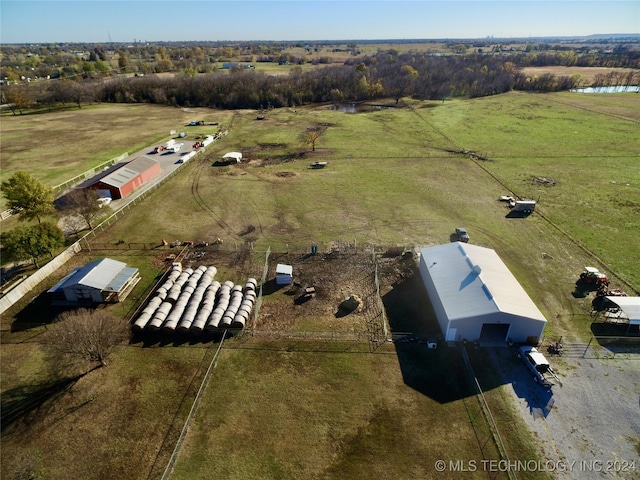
544 181
285 174
321 284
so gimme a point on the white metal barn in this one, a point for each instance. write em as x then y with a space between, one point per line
100 281
476 298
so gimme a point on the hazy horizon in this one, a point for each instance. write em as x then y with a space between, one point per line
89 21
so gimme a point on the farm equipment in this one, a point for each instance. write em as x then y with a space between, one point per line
593 277
555 348
197 145
158 149
603 304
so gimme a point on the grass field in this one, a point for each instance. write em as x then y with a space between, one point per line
58 146
392 179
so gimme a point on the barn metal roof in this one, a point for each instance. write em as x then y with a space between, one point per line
105 275
128 171
472 281
630 306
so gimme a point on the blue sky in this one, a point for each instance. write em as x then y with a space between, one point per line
31 21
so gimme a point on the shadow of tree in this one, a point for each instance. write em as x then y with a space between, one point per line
28 403
37 313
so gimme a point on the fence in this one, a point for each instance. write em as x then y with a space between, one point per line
59 189
27 285
493 427
600 347
194 407
83 243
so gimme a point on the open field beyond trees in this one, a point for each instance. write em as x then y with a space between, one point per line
402 175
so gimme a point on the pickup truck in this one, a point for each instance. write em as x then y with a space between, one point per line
539 366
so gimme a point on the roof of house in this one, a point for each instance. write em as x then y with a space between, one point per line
472 281
128 171
104 275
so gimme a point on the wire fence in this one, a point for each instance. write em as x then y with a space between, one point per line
493 427
263 279
192 412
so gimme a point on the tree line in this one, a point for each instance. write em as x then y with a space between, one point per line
383 75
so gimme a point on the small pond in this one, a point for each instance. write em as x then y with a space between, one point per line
610 89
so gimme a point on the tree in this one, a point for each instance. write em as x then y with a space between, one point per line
32 242
83 203
18 96
123 61
399 84
311 136
86 335
28 196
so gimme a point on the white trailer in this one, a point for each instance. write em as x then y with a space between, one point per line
232 157
526 206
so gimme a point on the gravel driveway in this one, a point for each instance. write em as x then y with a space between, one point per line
589 426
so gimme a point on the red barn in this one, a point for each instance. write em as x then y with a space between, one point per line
126 179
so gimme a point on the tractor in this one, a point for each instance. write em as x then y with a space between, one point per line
594 278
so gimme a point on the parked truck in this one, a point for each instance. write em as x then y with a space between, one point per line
539 366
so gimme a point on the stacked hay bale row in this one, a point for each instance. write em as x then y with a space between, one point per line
191 301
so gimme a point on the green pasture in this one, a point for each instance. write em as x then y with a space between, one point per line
392 179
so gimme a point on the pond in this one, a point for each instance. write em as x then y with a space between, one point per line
344 107
610 89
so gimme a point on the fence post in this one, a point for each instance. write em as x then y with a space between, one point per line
585 350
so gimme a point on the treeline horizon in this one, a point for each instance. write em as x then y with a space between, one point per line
389 74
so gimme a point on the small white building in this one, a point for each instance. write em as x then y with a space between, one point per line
232 157
284 274
476 298
100 281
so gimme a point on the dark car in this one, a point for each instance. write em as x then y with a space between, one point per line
463 236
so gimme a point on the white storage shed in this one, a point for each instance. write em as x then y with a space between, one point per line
284 274
232 157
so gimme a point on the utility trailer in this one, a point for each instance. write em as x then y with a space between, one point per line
526 206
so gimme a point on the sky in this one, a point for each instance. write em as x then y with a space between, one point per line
53 21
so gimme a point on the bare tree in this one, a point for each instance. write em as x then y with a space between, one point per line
84 203
86 335
311 136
